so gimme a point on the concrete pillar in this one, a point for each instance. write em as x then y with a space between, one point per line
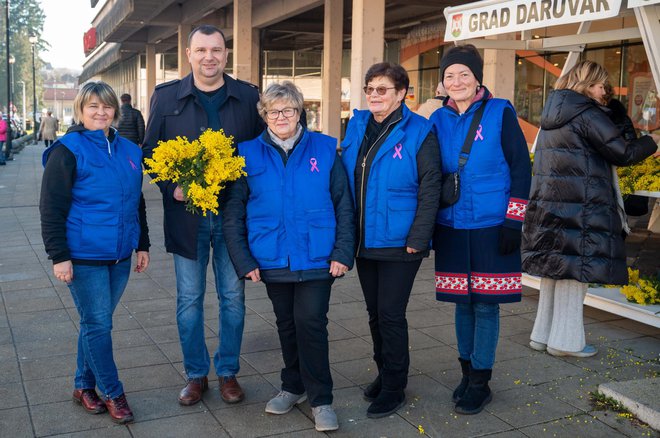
246 43
151 74
500 69
182 41
333 35
367 45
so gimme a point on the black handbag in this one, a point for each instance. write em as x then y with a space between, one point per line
451 182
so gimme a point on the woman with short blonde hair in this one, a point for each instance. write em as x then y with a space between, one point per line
93 217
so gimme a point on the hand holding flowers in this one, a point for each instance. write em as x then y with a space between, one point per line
200 168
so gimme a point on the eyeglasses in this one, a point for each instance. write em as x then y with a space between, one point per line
286 112
380 90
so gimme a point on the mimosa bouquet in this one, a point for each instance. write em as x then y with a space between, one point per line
641 290
201 167
642 176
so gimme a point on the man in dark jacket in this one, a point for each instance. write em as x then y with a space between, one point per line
131 122
206 98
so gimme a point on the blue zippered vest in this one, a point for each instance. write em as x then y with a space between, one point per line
485 179
103 221
389 202
290 215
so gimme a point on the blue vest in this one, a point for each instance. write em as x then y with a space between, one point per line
485 179
103 221
389 200
290 215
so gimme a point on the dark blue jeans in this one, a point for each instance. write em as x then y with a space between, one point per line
477 332
302 324
96 291
191 287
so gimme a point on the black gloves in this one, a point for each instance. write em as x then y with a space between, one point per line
509 240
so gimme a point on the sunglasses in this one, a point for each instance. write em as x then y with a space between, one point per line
380 90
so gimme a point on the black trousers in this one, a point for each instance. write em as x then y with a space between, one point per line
386 287
301 311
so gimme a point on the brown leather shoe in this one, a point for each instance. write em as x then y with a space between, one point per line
192 393
230 390
89 400
119 410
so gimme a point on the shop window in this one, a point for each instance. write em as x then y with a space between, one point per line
307 63
429 73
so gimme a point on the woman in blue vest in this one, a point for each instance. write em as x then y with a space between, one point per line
393 165
477 239
92 218
290 223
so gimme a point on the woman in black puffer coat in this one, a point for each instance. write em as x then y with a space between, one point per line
574 226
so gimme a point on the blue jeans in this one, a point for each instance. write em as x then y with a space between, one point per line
96 291
477 331
191 286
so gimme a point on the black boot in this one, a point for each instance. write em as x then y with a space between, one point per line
387 403
460 389
477 394
373 389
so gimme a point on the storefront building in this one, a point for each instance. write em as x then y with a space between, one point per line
326 46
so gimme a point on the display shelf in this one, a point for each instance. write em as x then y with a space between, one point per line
647 194
610 300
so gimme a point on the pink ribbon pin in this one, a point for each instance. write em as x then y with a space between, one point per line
132 164
397 151
479 136
312 161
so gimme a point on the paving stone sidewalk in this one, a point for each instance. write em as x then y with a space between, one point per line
535 395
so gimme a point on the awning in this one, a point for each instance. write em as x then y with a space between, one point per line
105 58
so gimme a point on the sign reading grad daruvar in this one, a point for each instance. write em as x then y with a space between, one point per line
493 17
640 3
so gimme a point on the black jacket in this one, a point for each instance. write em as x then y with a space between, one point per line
572 228
176 111
619 115
235 230
131 124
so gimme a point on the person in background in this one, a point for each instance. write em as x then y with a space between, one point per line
131 122
93 216
206 98
427 108
633 205
477 239
48 129
575 224
3 140
290 223
392 160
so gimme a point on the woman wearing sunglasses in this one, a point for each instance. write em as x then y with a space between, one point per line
290 223
393 164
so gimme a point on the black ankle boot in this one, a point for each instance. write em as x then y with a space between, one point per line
477 394
387 403
373 389
460 389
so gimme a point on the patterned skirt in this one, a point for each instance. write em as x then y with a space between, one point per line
470 268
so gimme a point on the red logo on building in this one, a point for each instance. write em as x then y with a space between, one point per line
89 41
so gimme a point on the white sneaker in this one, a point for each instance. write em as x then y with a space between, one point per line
587 351
538 346
284 402
325 418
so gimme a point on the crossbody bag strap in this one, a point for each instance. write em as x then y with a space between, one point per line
470 138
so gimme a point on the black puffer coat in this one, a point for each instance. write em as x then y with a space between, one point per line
572 229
